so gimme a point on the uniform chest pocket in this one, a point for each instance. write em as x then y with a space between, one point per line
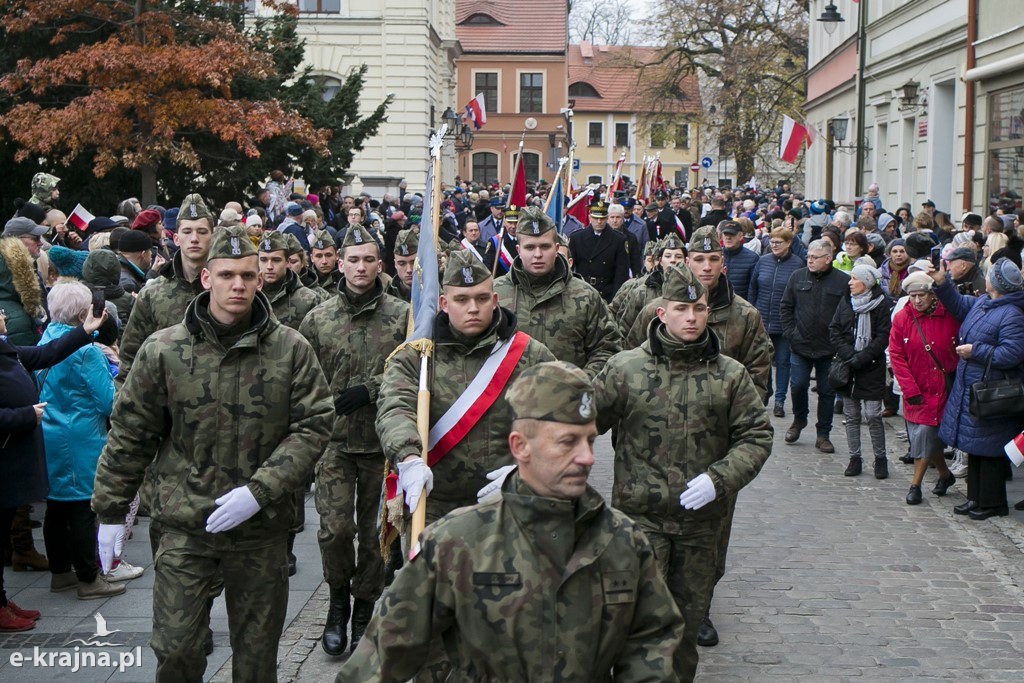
619 587
496 585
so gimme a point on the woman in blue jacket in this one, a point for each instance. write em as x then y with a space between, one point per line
992 328
79 393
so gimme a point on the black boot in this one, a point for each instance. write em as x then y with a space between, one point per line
881 468
208 640
854 468
707 634
335 637
361 613
291 555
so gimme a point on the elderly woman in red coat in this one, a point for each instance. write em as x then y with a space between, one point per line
922 345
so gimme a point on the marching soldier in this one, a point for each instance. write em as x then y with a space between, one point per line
498 257
324 256
298 263
565 314
600 255
671 252
579 576
289 299
352 335
407 245
229 410
690 432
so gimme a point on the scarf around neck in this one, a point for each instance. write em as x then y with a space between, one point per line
863 304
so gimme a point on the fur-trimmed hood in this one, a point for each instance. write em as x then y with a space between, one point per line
16 270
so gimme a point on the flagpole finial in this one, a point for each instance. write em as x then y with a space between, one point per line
437 141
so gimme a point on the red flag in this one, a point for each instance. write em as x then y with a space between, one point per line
476 111
793 136
517 195
616 184
579 207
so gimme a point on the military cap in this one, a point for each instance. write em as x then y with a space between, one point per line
44 182
671 242
231 242
512 213
554 391
661 194
407 243
651 248
357 236
704 240
534 222
273 240
322 240
498 202
629 202
193 208
599 209
294 246
464 270
682 285
563 240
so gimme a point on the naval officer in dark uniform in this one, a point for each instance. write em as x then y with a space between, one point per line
600 255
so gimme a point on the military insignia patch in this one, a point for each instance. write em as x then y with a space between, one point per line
707 244
404 249
467 275
357 237
236 248
586 406
691 292
319 244
193 211
266 244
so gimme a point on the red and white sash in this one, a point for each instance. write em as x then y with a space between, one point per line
468 246
478 397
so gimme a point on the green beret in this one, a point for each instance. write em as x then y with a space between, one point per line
231 242
294 246
671 242
682 285
272 240
464 270
704 240
554 391
193 208
407 243
357 236
534 222
322 240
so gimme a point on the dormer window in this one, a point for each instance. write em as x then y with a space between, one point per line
481 19
582 89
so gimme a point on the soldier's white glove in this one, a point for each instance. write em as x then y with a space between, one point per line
236 506
700 491
413 476
110 539
497 478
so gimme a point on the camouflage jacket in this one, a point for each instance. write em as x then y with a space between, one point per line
456 361
161 303
524 588
680 411
644 293
620 296
205 419
352 342
330 281
398 290
310 278
290 300
566 315
736 323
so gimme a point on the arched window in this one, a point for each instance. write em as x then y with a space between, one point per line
485 168
481 19
582 89
330 84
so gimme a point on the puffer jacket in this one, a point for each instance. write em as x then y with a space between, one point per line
914 368
79 393
867 366
769 284
808 306
740 265
993 327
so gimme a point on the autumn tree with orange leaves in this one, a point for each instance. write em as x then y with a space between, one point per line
144 85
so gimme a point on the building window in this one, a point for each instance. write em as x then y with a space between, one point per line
485 168
594 180
320 6
657 135
582 89
487 83
683 136
481 19
331 86
595 134
531 93
1006 149
622 135
531 165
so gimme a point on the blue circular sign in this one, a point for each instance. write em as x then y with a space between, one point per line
706 162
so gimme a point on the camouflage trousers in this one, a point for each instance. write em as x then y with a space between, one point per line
724 533
348 487
687 560
255 578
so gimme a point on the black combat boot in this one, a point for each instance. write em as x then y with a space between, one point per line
339 609
292 568
361 613
707 634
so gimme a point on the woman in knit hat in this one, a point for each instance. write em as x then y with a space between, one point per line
860 334
992 328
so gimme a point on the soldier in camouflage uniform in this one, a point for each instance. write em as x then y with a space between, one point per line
690 432
229 409
407 244
298 263
670 252
542 582
564 313
289 299
324 255
44 190
352 334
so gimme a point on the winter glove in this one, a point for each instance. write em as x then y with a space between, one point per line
413 476
352 399
699 492
497 478
111 542
915 400
235 506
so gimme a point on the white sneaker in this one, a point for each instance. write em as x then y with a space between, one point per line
123 572
958 466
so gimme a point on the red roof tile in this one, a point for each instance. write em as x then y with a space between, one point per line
616 72
528 26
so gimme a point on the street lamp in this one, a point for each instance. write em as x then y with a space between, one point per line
460 133
839 125
450 118
830 18
910 101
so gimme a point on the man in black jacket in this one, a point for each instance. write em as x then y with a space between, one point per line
808 304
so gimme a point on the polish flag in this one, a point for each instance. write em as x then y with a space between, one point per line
1015 450
793 136
80 218
476 111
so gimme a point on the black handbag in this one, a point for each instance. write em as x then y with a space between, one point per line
996 399
839 375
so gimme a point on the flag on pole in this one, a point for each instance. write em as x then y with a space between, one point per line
641 195
517 193
425 284
616 184
476 111
657 182
556 200
793 136
1015 450
579 206
80 218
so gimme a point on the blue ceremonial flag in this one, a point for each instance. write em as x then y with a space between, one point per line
556 202
425 284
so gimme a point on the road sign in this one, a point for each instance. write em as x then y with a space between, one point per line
575 164
695 167
706 162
